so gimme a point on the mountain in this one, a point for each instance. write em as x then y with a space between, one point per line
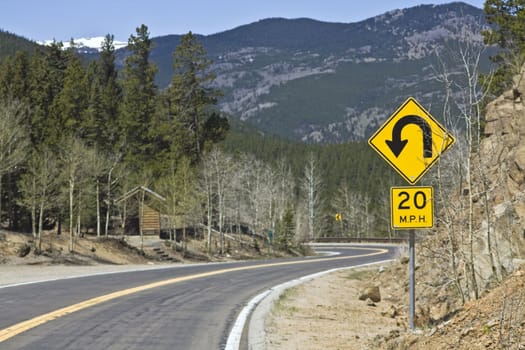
11 43
331 82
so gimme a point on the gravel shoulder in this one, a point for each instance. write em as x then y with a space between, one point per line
326 313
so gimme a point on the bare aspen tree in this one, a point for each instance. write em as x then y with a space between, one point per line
115 167
223 169
39 186
353 207
471 112
269 196
212 162
95 166
285 187
179 190
72 159
312 187
237 206
218 178
253 187
463 93
206 184
450 184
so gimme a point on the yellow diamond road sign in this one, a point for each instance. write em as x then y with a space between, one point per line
411 140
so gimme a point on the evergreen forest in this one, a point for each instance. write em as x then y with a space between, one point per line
79 134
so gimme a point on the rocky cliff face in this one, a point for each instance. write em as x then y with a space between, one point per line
480 238
502 151
496 244
316 81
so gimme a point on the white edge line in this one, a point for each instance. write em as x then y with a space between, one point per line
234 338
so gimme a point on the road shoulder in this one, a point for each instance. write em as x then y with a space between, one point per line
323 311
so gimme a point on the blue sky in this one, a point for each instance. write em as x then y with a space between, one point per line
65 19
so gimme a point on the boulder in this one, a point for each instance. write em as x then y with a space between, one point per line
439 311
23 250
371 292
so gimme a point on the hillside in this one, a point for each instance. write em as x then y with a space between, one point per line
10 43
331 82
314 81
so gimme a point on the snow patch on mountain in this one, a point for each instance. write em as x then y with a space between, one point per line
89 43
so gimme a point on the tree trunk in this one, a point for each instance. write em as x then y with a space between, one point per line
1 190
108 210
71 190
184 247
471 262
33 207
40 224
98 209
79 212
141 219
209 218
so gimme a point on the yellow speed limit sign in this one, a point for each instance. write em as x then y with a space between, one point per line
412 207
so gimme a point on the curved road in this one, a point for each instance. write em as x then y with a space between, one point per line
184 307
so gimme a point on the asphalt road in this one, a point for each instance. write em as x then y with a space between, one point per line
184 307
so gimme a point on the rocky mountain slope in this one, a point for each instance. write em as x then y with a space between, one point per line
331 82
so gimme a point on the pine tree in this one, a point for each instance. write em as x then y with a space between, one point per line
508 20
14 139
46 80
286 229
14 77
70 106
190 97
105 98
139 101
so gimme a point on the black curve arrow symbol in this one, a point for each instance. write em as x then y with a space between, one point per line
397 145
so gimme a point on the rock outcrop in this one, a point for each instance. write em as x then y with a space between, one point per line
502 152
480 237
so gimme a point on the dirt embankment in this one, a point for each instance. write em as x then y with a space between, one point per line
326 313
22 261
21 249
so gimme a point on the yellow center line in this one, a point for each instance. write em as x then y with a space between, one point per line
23 326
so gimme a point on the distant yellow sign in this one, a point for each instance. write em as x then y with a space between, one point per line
412 207
338 217
411 140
